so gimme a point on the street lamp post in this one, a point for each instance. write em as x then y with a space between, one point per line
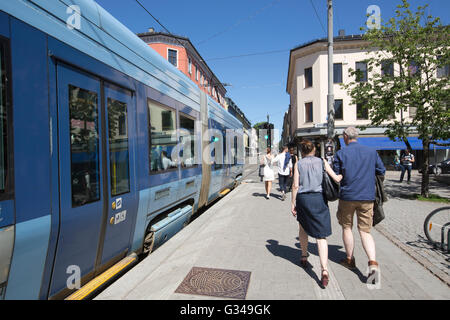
330 96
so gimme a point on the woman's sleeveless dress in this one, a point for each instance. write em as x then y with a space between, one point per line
268 169
312 209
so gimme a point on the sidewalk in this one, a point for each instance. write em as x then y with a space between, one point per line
404 221
404 190
245 232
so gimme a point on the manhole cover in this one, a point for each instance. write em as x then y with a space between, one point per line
216 283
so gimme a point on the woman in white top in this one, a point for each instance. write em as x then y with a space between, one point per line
269 175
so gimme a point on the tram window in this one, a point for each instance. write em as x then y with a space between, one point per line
224 146
188 124
163 138
84 146
235 160
218 164
4 100
118 147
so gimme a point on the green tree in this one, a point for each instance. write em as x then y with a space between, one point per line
408 60
259 125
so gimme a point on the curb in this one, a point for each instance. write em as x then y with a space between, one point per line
424 262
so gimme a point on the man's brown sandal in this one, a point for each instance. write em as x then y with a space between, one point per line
348 263
304 261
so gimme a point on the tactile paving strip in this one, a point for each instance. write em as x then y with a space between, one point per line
215 283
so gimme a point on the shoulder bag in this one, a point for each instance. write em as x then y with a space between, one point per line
330 188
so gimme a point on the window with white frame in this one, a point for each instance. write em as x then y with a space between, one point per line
172 56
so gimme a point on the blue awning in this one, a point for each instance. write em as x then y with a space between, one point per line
384 143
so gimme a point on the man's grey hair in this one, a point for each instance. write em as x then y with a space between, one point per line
352 133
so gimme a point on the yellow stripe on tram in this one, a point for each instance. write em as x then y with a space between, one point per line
224 192
97 282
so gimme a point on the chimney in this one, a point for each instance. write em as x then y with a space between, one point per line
151 29
341 33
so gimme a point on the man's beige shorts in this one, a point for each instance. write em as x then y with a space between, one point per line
364 214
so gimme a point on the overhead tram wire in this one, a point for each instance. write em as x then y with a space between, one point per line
154 18
239 22
317 15
167 30
249 54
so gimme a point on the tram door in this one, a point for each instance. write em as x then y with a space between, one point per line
95 180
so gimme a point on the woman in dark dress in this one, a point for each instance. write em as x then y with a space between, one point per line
310 206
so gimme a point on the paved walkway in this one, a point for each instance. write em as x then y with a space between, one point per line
405 191
404 221
244 231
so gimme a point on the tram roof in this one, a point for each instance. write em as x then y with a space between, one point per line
104 38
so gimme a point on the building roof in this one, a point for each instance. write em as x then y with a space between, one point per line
232 105
351 37
152 37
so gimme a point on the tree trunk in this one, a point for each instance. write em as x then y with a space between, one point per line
408 145
425 192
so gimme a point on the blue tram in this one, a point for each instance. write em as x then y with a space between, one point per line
88 115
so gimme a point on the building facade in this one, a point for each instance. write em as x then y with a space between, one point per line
307 85
182 54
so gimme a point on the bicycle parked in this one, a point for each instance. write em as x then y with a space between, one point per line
437 228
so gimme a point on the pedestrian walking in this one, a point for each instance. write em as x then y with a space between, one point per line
407 160
358 166
396 163
284 163
269 175
310 206
294 160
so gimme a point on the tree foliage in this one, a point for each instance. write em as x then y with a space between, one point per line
413 99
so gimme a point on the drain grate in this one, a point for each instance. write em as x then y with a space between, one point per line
216 283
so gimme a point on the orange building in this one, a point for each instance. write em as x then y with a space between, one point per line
182 54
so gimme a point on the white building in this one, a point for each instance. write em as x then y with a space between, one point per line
307 85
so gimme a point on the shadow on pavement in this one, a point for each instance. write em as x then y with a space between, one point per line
293 255
263 195
402 190
335 254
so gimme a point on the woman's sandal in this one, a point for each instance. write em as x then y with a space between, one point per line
325 278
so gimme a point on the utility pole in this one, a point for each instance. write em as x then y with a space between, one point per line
330 96
269 133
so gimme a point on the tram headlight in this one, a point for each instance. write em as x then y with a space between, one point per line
6 247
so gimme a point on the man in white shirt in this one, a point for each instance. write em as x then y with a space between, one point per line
166 162
284 163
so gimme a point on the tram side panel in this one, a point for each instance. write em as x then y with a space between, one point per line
32 192
168 190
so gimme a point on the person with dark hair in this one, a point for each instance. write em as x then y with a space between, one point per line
284 164
406 161
310 206
268 171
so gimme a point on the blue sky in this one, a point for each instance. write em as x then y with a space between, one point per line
224 29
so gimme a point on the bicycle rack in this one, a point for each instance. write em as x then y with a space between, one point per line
448 241
443 237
